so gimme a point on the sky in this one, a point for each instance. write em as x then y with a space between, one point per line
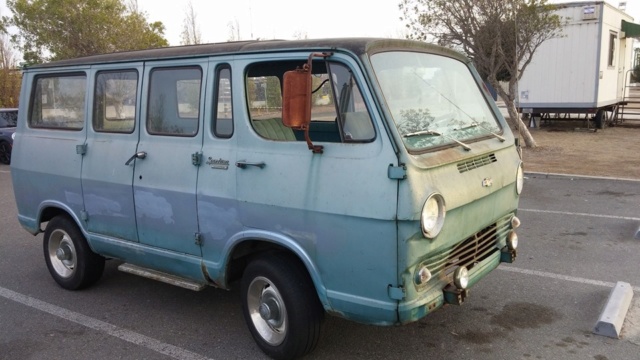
287 19
282 19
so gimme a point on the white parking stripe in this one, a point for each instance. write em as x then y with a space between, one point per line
123 334
581 214
561 277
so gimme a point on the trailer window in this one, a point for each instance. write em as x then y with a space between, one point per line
612 48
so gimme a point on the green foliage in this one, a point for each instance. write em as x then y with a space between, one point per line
60 29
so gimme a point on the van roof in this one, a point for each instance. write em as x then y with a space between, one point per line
358 46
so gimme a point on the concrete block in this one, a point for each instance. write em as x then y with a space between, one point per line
612 317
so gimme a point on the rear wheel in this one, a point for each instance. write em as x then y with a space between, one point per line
69 259
280 306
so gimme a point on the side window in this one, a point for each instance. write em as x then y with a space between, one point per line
264 97
338 111
174 101
114 107
355 120
223 122
57 102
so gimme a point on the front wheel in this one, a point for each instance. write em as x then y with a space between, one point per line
280 306
69 259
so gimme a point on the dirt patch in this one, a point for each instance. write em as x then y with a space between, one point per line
570 147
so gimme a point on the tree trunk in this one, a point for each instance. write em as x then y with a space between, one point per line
514 116
522 129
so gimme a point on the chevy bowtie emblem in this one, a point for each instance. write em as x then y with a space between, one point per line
487 182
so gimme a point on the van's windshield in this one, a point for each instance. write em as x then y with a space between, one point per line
434 100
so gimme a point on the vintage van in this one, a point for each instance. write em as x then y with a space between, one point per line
370 179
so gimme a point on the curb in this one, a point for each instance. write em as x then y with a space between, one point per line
612 317
560 175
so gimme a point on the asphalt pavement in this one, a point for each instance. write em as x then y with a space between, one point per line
576 242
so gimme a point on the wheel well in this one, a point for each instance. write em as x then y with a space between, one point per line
247 250
51 212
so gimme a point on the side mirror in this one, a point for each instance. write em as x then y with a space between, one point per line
296 100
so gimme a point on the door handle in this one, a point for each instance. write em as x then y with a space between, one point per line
138 155
243 164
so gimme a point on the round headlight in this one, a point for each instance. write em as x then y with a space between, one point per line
519 179
432 218
13 136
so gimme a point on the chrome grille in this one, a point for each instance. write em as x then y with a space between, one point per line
470 251
476 163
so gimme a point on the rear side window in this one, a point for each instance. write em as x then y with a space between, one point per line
114 108
223 123
58 102
174 101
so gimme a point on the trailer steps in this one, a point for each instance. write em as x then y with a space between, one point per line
629 109
160 276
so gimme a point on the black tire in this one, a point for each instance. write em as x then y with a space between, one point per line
599 119
279 282
69 258
5 152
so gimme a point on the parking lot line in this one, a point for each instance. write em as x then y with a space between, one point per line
95 324
581 214
561 277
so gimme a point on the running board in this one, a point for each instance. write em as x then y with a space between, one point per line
160 276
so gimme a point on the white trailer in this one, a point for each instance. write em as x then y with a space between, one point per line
585 70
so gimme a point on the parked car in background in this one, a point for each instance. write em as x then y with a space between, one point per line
8 121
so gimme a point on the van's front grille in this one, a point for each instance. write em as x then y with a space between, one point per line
476 163
470 251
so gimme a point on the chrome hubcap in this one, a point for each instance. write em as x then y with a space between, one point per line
62 253
267 311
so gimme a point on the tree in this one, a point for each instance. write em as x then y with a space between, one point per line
62 29
190 30
234 30
499 36
10 76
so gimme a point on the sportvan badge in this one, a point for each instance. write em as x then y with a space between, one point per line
218 164
487 182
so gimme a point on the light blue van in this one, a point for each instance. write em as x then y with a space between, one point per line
370 179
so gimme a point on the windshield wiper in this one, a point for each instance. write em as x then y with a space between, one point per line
476 124
422 132
433 132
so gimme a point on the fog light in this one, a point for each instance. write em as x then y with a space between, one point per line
461 277
515 222
422 276
512 240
